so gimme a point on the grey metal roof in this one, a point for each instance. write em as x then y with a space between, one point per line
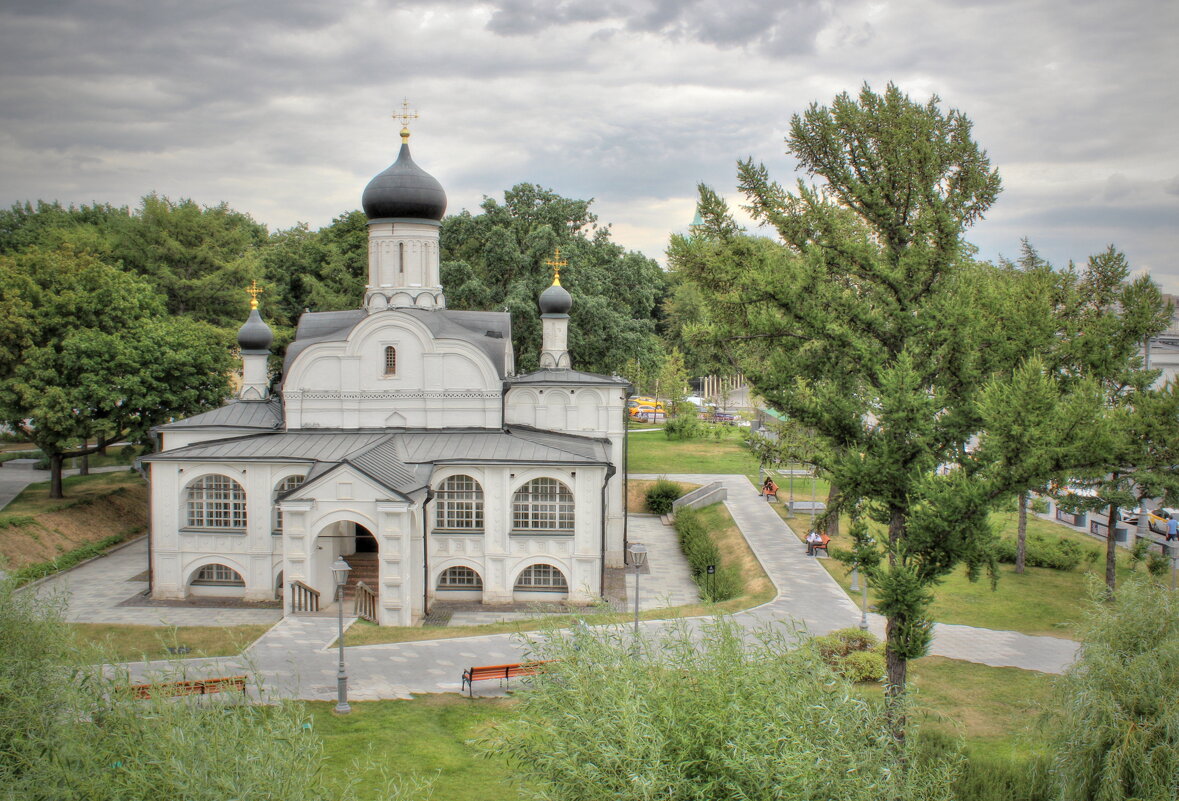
564 376
384 462
514 445
304 446
235 414
491 332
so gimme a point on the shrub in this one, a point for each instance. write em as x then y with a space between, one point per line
701 551
686 427
1157 564
662 495
853 653
861 666
706 712
1039 505
1063 554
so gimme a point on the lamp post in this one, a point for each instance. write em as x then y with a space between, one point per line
864 605
340 572
638 558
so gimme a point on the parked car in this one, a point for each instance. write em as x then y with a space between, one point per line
647 411
1159 517
1128 516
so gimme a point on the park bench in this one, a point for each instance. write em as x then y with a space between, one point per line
501 672
172 689
821 545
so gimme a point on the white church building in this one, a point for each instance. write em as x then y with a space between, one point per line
400 438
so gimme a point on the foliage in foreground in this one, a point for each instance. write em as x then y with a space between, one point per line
68 732
1117 735
706 714
662 495
854 654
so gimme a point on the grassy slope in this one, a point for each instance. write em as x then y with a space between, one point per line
36 529
653 452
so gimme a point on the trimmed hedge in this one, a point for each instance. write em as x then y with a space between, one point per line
1063 554
701 551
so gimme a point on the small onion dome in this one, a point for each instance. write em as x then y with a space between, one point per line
404 190
555 300
255 334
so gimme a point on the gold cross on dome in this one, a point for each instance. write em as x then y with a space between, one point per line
405 115
253 290
556 262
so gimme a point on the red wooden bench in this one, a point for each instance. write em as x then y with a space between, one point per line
814 547
502 672
171 689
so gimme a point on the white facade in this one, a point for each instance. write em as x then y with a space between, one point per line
402 420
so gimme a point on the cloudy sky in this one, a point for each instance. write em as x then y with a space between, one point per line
282 107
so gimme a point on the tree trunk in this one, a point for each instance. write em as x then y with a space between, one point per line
84 465
832 519
1111 549
55 464
1021 535
897 665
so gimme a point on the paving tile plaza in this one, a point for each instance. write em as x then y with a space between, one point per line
293 659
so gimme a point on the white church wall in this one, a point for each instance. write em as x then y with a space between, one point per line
436 383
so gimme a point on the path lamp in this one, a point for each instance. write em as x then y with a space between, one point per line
340 572
638 558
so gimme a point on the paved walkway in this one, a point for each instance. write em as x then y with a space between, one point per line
293 659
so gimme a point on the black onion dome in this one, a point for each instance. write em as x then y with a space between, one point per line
555 300
255 334
404 190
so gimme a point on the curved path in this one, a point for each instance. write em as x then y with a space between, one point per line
293 658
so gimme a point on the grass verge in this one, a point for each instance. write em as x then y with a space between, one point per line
636 493
130 643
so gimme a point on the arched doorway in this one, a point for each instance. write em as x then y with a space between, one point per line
365 541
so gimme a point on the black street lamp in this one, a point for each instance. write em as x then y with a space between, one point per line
340 572
638 558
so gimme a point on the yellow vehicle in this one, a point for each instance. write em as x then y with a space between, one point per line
1159 517
646 411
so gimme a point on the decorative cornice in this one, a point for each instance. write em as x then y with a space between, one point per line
390 394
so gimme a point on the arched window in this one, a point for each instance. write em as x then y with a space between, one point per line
543 504
541 577
218 575
460 504
460 578
390 360
284 486
215 502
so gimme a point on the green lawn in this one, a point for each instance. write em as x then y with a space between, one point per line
34 499
653 452
130 643
1040 601
429 737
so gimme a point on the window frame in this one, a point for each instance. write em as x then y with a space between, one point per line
450 507
520 586
443 585
280 488
227 503
548 509
390 361
216 567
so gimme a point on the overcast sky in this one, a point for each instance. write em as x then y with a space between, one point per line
282 107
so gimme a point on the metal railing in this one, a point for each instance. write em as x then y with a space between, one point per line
304 598
365 603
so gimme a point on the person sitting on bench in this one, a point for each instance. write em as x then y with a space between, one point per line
769 489
812 539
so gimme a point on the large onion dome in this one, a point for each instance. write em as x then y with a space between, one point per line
556 300
404 190
255 334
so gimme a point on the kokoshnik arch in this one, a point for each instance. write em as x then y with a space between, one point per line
399 436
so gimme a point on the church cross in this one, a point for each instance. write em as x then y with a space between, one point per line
405 115
556 262
253 290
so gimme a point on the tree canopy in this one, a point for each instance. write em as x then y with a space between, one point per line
496 260
871 324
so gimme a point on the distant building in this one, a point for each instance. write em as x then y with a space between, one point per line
402 439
